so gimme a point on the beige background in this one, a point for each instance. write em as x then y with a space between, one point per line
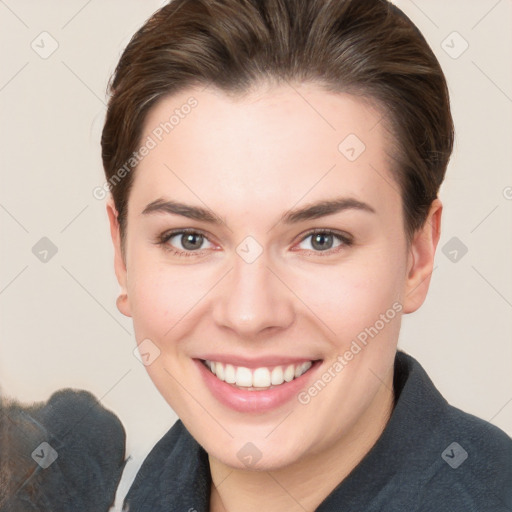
59 324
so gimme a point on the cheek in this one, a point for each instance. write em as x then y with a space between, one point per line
352 296
161 296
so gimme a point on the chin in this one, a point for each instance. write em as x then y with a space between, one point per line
256 453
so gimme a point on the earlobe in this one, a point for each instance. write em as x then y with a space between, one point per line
122 302
421 259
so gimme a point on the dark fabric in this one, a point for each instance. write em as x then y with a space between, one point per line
63 455
415 465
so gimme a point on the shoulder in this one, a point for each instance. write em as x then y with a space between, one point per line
460 462
473 471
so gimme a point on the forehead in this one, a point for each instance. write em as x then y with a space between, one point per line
276 145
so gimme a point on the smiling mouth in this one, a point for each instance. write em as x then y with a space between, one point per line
257 379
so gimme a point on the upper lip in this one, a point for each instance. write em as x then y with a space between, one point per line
256 362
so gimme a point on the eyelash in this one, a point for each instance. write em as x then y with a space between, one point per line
345 239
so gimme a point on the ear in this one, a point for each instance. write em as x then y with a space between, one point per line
421 258
123 303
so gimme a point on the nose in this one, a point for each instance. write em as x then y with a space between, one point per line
253 299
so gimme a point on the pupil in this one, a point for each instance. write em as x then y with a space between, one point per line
322 238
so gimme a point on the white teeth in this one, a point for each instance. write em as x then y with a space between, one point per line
230 374
277 376
259 378
219 370
289 373
305 367
243 377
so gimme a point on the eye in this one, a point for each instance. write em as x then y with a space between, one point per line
191 242
326 240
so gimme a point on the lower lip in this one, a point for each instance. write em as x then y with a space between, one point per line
254 401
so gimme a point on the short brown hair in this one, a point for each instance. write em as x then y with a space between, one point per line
369 48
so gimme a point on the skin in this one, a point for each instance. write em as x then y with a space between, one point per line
249 159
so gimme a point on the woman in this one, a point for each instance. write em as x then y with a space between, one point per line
274 169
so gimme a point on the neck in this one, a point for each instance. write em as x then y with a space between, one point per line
304 484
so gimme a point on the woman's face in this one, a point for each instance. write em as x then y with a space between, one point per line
250 287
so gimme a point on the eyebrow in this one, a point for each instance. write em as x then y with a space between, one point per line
312 211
